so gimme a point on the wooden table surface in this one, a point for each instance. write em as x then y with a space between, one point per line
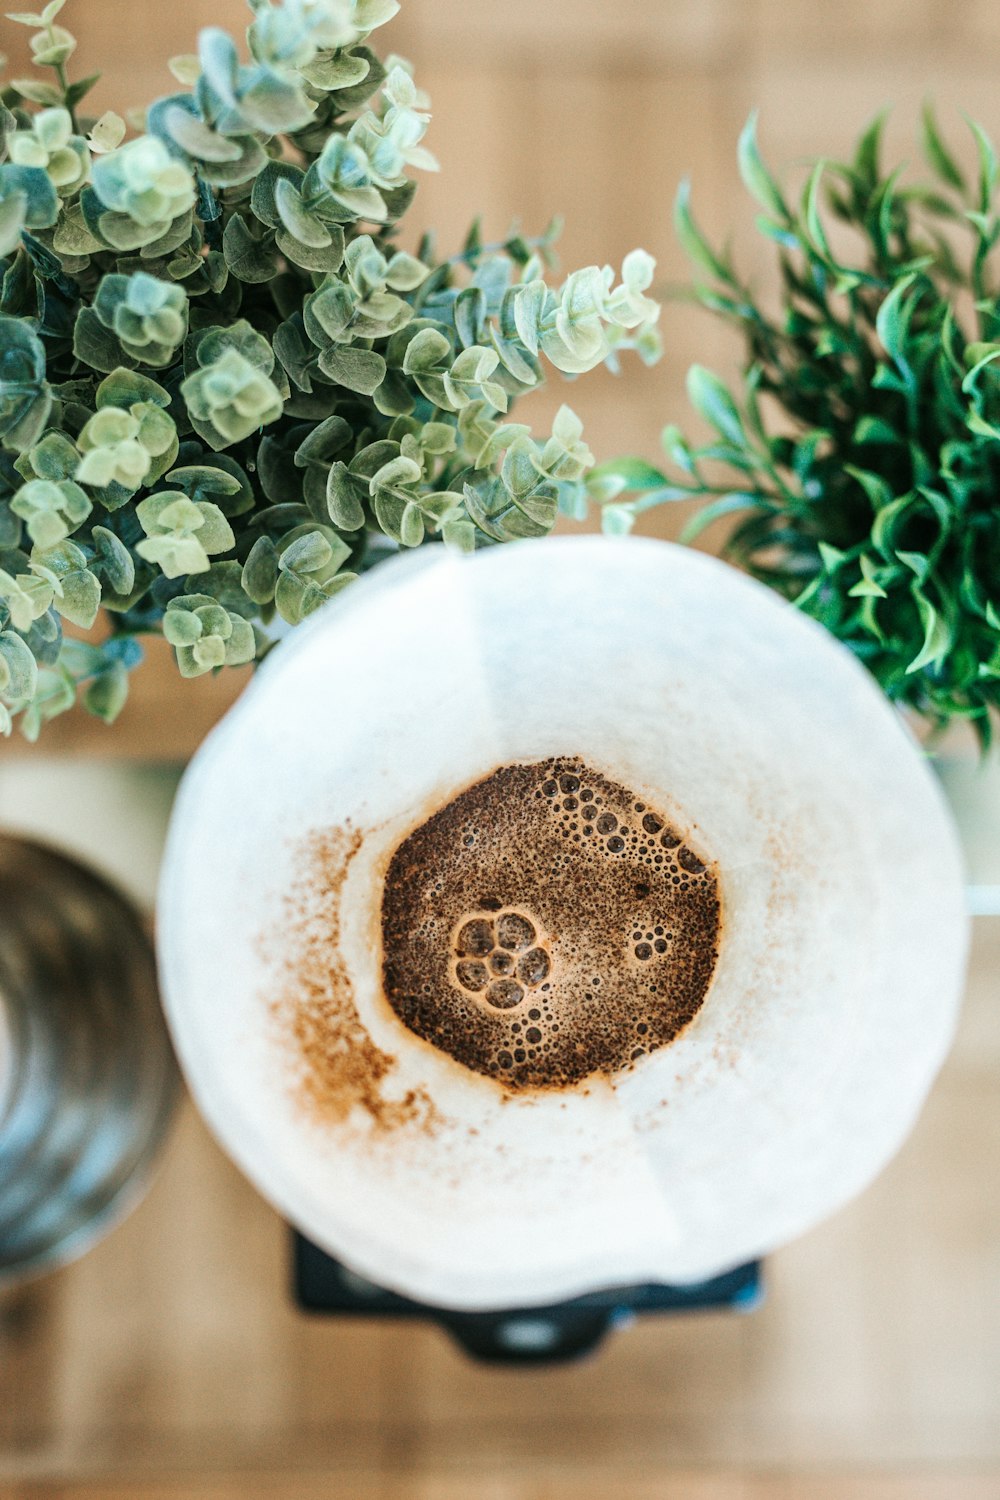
170 1364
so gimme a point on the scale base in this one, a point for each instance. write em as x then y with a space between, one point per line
519 1336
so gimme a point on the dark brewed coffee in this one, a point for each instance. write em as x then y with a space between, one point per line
546 924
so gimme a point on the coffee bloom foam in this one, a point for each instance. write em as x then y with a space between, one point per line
545 925
570 915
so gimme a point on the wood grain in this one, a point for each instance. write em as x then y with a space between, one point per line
164 719
172 1353
169 1363
696 1486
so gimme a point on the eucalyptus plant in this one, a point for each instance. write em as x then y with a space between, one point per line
224 388
861 453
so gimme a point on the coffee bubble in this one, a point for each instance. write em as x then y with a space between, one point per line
533 967
504 994
530 954
476 937
514 931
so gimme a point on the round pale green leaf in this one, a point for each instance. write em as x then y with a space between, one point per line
18 670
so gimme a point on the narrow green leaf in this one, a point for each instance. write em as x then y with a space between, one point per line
693 242
866 156
989 168
756 176
878 490
709 396
892 318
869 585
635 473
937 153
814 222
725 505
937 635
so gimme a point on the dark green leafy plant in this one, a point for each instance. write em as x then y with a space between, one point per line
862 453
224 389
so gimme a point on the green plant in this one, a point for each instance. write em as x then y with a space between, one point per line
224 389
862 453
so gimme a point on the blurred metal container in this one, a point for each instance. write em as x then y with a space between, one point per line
87 1076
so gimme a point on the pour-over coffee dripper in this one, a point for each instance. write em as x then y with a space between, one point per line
840 965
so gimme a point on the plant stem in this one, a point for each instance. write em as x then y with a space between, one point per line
64 84
469 257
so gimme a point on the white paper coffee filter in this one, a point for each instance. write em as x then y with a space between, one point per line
843 938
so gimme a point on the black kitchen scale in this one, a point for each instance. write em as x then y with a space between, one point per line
518 1336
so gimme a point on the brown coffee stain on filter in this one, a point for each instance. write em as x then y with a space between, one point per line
339 1069
547 924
